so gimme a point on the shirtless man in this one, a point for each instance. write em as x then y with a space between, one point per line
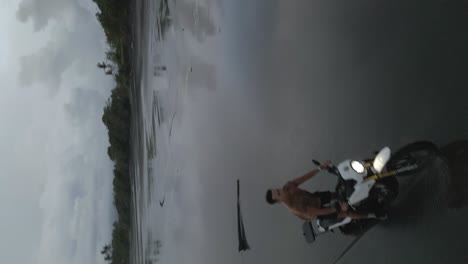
309 206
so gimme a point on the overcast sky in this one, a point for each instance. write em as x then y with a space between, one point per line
55 185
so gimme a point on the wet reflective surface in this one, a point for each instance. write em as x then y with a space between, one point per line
253 90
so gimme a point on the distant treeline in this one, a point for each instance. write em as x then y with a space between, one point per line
114 18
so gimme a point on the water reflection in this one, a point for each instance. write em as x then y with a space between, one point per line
152 249
201 75
164 18
195 18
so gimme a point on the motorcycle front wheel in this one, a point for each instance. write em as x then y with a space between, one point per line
415 156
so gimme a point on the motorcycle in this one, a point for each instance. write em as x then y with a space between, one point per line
370 186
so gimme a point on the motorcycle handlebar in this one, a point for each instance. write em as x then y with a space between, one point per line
317 163
330 168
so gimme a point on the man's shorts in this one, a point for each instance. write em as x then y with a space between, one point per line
326 201
325 198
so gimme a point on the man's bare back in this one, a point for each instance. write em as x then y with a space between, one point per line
300 202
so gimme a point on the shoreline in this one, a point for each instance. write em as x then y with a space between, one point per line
115 18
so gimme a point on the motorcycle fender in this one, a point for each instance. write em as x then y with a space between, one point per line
381 159
361 192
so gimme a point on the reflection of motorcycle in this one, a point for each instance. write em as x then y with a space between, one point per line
370 186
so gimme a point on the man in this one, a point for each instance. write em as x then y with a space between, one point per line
309 206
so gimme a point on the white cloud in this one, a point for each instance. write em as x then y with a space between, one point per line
57 185
76 40
42 12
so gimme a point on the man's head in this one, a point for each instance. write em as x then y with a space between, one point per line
274 196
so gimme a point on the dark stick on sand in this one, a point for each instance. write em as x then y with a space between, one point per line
161 203
243 245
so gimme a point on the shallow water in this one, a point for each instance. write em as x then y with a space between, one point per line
253 90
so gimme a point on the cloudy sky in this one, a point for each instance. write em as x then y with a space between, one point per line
55 185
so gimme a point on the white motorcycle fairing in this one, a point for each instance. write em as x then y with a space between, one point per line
361 188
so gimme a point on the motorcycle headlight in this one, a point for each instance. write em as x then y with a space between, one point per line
357 166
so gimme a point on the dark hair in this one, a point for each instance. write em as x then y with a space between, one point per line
269 197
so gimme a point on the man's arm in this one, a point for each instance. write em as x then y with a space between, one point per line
325 211
300 180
